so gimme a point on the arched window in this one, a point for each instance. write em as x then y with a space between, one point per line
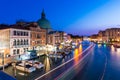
14 43
24 41
21 42
27 42
18 42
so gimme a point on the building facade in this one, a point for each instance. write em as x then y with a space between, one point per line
14 41
38 36
110 35
57 37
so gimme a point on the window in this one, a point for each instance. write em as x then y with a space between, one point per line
24 50
27 42
18 33
14 52
18 42
24 41
18 51
14 43
14 32
24 33
21 33
21 42
38 36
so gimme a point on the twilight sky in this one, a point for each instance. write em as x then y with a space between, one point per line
83 17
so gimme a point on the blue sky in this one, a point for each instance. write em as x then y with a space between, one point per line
83 17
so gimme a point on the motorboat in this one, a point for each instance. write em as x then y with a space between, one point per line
67 52
25 67
55 56
36 64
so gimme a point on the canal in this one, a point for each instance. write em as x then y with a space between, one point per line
104 64
48 62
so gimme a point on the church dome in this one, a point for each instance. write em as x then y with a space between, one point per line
43 22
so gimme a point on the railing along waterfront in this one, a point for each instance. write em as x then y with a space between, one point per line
69 69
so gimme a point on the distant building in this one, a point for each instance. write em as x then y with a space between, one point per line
76 38
101 36
110 35
94 37
58 37
55 37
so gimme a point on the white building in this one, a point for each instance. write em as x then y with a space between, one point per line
14 41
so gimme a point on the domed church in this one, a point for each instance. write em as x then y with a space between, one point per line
43 22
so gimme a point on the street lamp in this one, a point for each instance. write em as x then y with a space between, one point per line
2 52
14 68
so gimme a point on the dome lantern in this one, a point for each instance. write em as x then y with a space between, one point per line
43 22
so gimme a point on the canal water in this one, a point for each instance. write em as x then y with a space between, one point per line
103 65
48 62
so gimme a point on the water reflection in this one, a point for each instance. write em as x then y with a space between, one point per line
118 53
112 48
77 52
105 45
80 49
118 50
99 45
115 52
47 64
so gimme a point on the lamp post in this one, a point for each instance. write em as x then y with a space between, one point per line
2 59
14 68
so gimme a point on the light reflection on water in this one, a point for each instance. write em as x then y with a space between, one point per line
112 48
80 49
99 45
118 53
47 64
115 52
77 52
